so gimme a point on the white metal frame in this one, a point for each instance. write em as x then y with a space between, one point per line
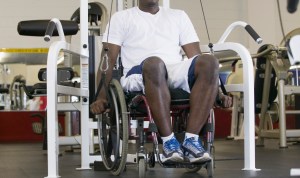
53 90
247 89
294 59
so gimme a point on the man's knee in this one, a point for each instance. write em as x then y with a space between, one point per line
154 67
207 63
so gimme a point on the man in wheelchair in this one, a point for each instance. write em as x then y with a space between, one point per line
149 39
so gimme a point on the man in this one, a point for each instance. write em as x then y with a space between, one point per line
149 39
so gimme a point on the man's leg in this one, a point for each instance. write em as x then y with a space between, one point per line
203 93
202 97
158 97
157 93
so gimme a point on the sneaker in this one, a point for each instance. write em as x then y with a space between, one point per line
172 151
194 151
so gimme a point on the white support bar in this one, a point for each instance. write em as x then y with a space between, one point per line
234 87
75 140
72 91
248 89
291 89
119 5
166 3
134 124
68 107
229 29
53 89
52 121
84 85
70 140
295 172
93 125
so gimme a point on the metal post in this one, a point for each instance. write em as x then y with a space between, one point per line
248 89
84 66
119 5
282 118
265 100
166 3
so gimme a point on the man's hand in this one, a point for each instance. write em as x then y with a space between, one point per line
99 106
223 101
226 101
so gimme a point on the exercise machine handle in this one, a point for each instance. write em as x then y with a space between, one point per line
253 34
49 31
247 27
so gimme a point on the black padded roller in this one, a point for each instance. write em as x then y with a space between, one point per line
4 90
38 27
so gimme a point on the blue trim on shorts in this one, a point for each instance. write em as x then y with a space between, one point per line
138 69
191 73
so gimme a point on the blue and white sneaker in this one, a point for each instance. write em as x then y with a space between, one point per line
172 151
194 151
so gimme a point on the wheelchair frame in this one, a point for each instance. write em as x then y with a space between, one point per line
113 130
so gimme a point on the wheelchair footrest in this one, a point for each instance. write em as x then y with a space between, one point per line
185 164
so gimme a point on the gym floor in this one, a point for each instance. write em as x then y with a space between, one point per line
28 160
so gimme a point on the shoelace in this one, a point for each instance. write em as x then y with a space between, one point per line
198 144
171 145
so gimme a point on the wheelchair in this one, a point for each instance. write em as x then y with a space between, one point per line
114 130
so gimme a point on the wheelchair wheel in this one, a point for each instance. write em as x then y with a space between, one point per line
151 159
142 168
210 166
113 131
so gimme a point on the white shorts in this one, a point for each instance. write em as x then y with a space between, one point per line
180 75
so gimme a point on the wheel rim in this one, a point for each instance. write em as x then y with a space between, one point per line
113 132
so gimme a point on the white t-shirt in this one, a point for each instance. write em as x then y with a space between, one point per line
141 35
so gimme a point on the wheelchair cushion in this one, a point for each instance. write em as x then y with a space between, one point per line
179 97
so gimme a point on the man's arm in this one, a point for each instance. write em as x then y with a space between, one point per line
191 49
100 104
113 52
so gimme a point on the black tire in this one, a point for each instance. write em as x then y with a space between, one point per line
210 166
151 159
193 170
113 131
142 168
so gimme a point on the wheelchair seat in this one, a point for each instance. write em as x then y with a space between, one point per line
179 100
